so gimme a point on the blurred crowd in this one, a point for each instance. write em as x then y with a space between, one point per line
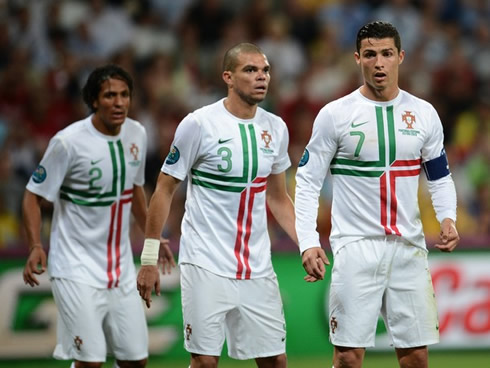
174 49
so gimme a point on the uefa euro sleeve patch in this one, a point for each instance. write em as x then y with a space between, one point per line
304 158
39 175
173 156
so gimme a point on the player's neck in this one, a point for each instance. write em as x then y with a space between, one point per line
239 108
386 94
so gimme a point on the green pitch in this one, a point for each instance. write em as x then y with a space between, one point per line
454 359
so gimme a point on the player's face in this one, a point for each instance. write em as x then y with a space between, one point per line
379 60
112 106
250 79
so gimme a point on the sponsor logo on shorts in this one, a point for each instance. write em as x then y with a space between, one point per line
78 342
39 175
188 331
333 324
173 156
304 158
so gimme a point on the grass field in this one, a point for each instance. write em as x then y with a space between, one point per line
439 359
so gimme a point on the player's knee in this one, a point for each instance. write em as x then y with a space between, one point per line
80 364
348 357
132 363
413 357
204 361
277 361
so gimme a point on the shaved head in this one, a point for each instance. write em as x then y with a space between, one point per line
230 60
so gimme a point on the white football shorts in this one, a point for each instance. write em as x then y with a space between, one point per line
248 313
384 275
93 323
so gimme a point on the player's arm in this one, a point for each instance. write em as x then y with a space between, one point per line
139 211
281 206
443 194
158 211
36 261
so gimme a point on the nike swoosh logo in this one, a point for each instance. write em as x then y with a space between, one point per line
93 162
221 141
358 125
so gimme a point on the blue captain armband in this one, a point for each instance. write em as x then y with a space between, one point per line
437 168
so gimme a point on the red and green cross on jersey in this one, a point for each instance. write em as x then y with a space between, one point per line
248 185
116 198
387 169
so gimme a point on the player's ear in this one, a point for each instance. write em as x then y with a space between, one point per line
357 57
401 57
227 77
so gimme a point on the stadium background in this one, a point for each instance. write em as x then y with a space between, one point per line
174 50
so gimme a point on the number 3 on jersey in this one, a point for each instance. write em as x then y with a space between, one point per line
225 154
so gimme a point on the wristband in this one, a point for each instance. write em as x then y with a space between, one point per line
149 256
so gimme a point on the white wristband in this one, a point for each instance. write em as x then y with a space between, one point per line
149 256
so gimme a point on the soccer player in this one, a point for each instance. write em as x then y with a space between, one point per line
376 141
93 171
234 155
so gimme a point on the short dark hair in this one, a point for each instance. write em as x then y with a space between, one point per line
91 90
230 60
378 30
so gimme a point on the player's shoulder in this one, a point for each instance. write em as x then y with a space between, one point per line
73 130
264 114
407 97
134 126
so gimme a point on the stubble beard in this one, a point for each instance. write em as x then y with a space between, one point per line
248 98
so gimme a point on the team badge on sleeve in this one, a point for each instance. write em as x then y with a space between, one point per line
39 175
304 158
173 156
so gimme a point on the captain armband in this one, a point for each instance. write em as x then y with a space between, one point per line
437 168
149 255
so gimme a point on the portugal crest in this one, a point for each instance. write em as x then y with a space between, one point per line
409 119
266 137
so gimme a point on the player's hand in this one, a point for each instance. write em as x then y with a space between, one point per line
36 264
148 279
165 256
314 261
449 237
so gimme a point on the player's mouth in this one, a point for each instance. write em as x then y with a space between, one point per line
379 76
261 89
118 115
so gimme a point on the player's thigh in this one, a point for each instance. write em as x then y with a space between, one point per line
206 299
256 329
356 292
81 309
410 310
125 325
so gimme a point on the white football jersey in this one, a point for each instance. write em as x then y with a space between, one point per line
374 151
90 177
227 161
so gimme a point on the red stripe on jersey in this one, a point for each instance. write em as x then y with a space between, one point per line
238 240
109 250
118 237
246 251
394 201
384 203
248 227
406 162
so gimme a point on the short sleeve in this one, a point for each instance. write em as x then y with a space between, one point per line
51 171
184 149
282 161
